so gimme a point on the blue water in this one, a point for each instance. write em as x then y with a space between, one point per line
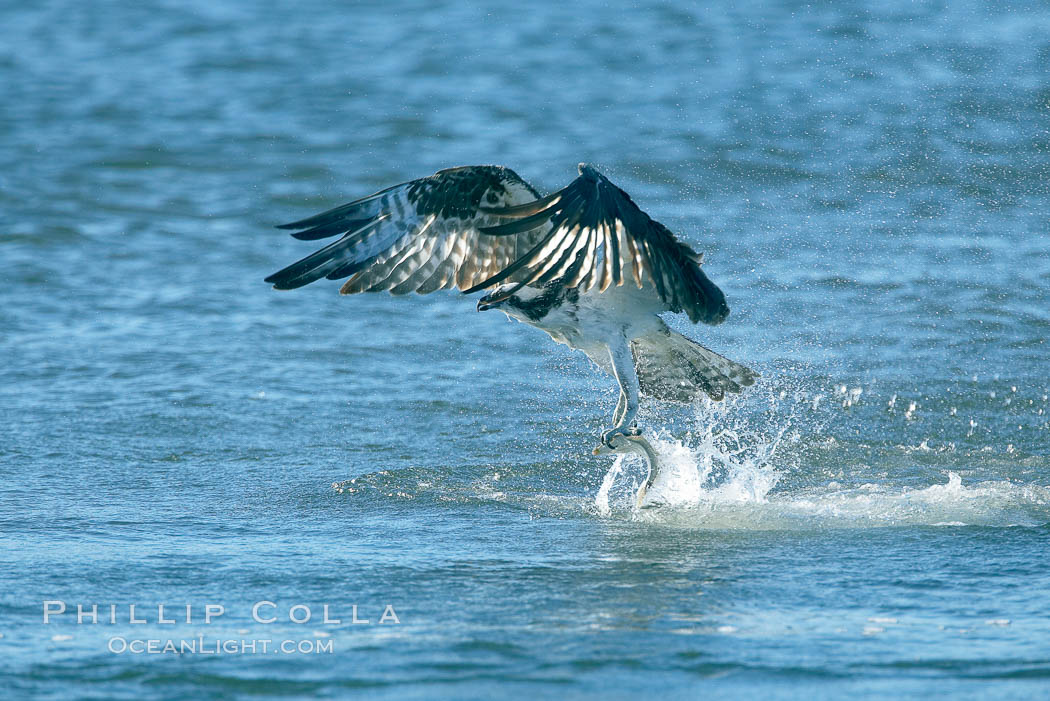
869 183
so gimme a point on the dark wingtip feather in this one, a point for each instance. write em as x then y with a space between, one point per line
324 231
362 209
712 308
589 172
279 283
286 279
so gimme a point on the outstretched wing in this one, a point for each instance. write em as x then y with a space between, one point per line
592 233
419 236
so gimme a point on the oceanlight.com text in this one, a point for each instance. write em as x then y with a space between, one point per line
119 645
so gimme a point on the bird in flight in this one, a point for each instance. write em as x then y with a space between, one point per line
584 264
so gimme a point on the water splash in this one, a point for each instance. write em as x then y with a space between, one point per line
724 458
724 473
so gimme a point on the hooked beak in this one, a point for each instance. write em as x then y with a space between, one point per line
489 301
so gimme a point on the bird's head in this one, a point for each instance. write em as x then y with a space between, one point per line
496 299
520 305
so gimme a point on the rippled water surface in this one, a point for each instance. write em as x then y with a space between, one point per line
870 187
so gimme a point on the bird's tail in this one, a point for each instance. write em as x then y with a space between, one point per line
673 368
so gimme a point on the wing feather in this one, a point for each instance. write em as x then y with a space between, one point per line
611 233
417 236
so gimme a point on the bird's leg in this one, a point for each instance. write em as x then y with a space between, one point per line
621 406
623 369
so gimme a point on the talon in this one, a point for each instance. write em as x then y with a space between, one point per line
607 437
627 432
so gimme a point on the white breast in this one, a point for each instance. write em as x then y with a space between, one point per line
595 318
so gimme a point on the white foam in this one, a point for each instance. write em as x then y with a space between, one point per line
748 505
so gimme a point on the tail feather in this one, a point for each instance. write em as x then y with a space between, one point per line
673 368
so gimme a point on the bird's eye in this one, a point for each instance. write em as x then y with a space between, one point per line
492 198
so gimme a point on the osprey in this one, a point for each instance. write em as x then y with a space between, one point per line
584 264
